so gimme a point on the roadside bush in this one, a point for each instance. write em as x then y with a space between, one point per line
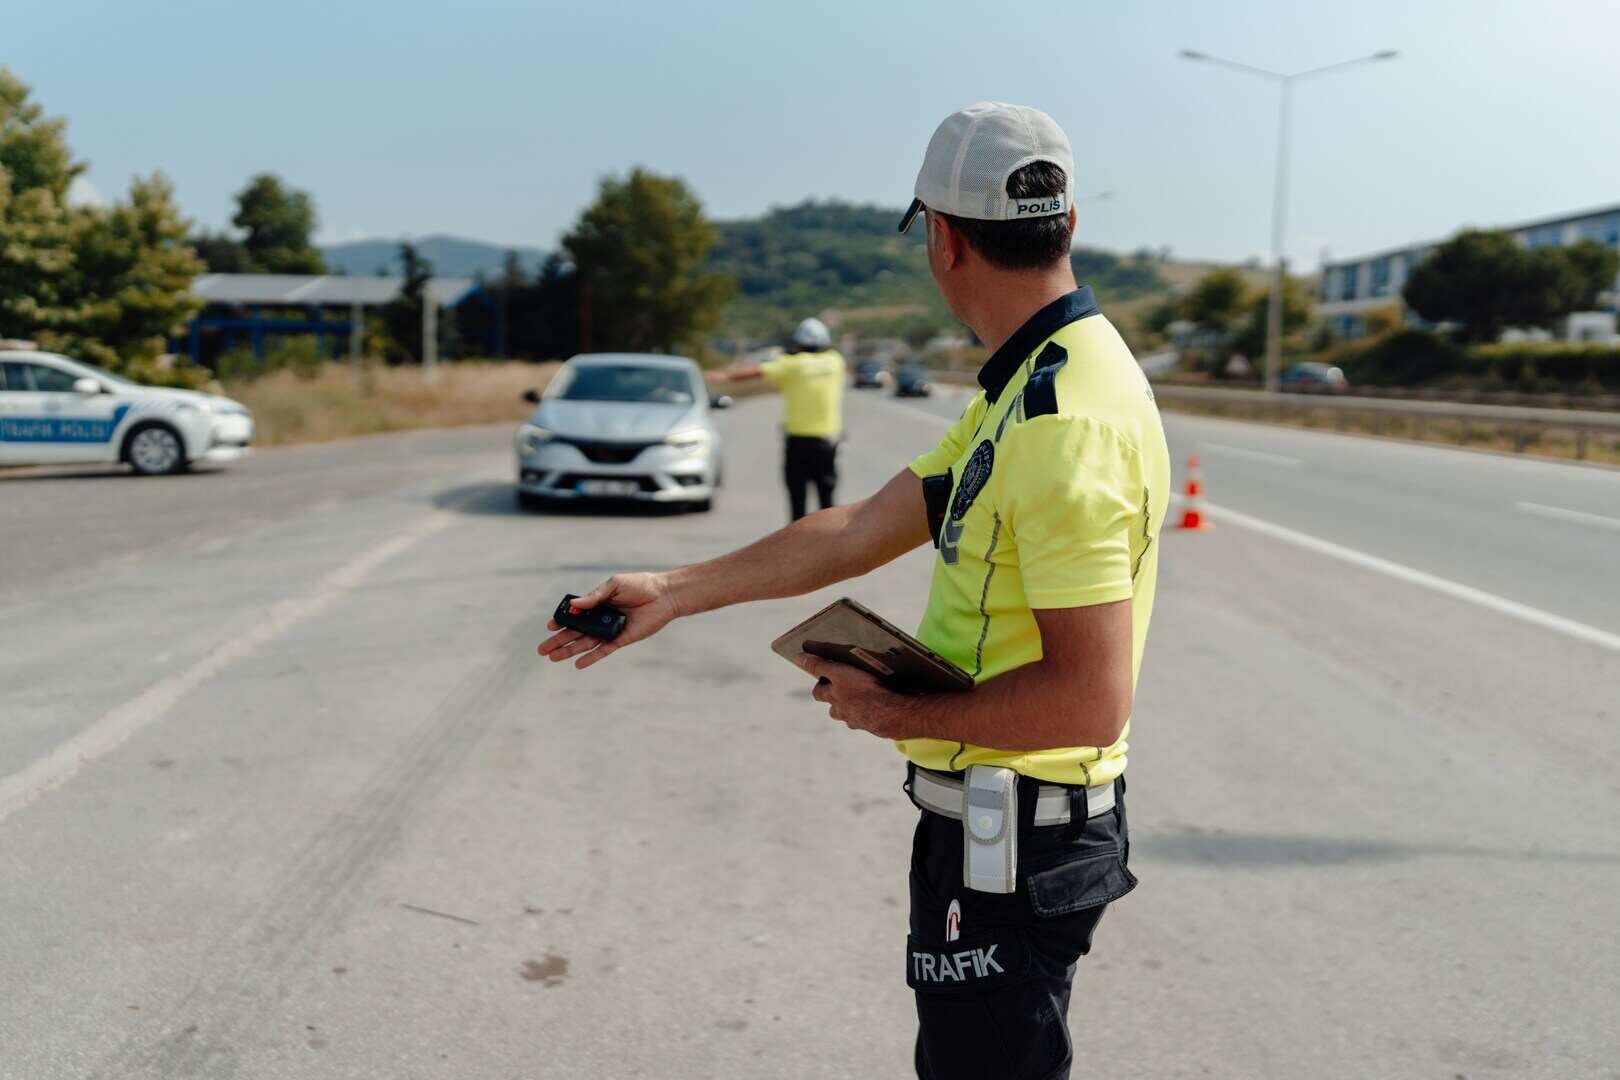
1382 320
177 372
1563 366
1403 358
300 354
1419 358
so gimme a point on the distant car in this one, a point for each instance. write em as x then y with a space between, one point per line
913 380
871 375
1313 377
621 426
54 410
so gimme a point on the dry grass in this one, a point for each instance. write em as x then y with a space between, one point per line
341 401
1180 272
880 311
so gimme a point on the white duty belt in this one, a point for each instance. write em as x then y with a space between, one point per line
942 794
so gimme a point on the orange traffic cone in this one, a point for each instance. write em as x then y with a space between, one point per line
1192 505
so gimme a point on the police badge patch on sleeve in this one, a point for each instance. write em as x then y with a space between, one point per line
974 476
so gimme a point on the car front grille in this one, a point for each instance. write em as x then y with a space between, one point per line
608 453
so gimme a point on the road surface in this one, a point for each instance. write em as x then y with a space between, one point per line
287 794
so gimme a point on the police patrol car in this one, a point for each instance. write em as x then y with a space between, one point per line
56 411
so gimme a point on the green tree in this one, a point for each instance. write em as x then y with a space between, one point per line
638 253
1157 319
36 168
222 253
1472 280
1296 312
1218 301
530 316
1486 281
1594 267
278 222
402 317
130 281
102 283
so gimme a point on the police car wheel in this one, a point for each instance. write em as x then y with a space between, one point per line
526 501
155 450
701 506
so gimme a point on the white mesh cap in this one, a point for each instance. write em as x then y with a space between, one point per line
973 152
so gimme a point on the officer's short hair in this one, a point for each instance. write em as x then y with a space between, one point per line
1028 244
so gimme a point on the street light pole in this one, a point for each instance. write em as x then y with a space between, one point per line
1279 261
1279 198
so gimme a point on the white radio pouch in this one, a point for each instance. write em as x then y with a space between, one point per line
990 829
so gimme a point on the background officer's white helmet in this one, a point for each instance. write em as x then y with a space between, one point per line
812 334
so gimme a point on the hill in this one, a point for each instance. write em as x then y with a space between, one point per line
846 259
451 256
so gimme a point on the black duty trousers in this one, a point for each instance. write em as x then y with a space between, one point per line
992 977
805 461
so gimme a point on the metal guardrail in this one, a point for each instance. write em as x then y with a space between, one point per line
1525 421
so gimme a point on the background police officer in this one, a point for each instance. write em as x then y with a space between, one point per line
811 378
1056 481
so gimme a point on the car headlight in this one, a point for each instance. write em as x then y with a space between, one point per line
690 442
531 437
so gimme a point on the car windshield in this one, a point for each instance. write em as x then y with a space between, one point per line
602 382
105 376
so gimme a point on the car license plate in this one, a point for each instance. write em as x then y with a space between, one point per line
608 487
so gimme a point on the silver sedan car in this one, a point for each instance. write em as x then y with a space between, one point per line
621 426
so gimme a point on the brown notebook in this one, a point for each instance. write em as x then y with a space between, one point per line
849 633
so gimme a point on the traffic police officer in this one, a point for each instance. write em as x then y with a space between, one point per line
1049 495
811 379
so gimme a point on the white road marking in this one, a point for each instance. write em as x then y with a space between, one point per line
1559 512
112 730
1455 589
1254 455
1500 604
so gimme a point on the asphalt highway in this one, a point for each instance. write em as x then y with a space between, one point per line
284 791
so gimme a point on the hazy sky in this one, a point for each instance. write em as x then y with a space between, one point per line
494 119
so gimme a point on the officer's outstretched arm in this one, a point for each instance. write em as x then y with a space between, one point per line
737 371
828 546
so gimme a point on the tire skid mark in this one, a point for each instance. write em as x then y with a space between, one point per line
247 974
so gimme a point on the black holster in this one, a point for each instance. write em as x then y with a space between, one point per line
937 499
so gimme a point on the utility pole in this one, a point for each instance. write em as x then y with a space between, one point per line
430 332
1279 201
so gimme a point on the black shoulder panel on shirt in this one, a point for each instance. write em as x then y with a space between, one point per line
1040 391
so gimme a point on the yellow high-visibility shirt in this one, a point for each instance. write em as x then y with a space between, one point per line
812 385
1061 482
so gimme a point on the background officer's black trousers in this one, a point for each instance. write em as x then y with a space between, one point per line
807 461
992 988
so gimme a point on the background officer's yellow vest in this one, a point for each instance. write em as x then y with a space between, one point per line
812 385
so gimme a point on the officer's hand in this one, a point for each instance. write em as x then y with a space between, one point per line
857 699
648 606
